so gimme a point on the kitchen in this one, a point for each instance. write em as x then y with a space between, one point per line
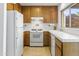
42 29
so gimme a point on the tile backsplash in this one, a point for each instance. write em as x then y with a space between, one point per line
44 26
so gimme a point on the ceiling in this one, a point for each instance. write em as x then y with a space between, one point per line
39 4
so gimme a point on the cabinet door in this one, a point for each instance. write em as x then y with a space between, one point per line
26 38
46 14
50 41
36 11
53 14
45 41
10 6
26 13
17 7
57 51
58 47
47 38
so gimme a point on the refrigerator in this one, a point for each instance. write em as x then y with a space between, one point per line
14 44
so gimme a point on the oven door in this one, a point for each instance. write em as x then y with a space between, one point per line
36 37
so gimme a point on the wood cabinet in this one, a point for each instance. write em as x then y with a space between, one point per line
46 14
46 38
58 51
58 47
17 7
50 41
50 13
70 48
53 14
36 11
27 38
12 6
26 12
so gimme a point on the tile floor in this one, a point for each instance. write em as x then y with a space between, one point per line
36 51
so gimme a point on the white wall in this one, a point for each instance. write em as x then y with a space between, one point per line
1 27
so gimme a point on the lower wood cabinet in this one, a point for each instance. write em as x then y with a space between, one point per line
46 38
27 38
57 51
58 47
50 41
12 6
66 48
70 48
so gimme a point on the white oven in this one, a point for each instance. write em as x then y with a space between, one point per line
36 33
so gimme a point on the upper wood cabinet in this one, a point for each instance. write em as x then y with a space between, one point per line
46 14
36 11
17 7
12 6
50 13
54 14
27 38
26 13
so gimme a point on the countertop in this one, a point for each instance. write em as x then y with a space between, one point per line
64 37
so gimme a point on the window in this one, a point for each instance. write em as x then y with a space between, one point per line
71 16
67 17
75 16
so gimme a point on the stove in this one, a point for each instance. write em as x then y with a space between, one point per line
36 33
